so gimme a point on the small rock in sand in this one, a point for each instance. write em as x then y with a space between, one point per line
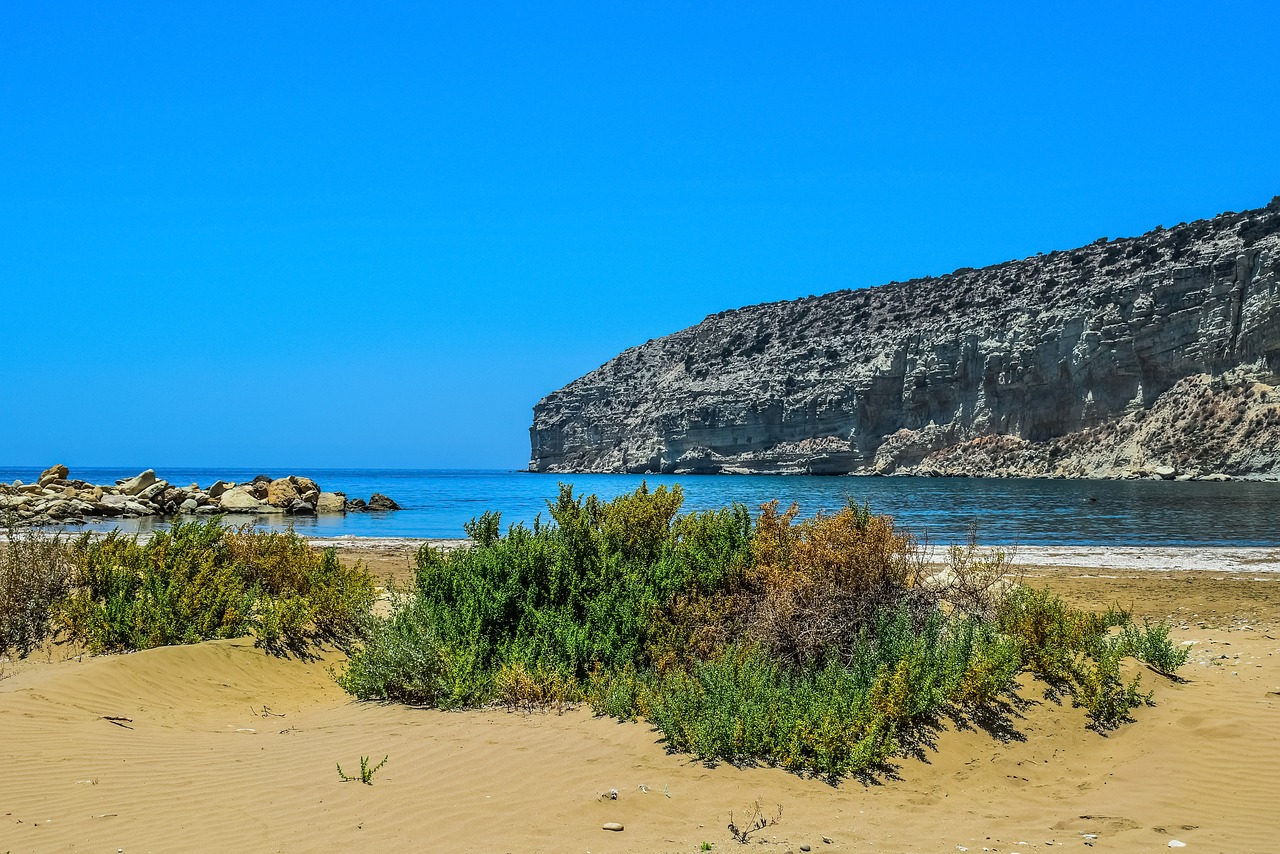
1177 843
611 825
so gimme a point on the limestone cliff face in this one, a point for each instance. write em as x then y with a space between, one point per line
1046 366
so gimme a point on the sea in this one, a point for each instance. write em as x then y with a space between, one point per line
1000 511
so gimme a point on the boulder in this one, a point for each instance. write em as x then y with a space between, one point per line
152 492
356 504
258 489
188 506
114 500
241 500
331 502
304 484
282 493
220 487
137 508
58 472
1164 472
262 478
378 501
301 508
136 484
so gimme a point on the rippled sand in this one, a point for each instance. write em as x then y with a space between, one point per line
225 748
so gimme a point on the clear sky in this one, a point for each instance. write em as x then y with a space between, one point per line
375 234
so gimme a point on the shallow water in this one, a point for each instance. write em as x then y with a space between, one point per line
1047 512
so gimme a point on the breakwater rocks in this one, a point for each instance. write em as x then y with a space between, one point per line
1152 356
57 499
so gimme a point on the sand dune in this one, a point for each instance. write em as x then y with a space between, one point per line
230 749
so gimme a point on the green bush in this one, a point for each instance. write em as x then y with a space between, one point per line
401 660
1074 652
200 581
819 646
1151 644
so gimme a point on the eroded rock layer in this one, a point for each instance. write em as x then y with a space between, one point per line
1145 356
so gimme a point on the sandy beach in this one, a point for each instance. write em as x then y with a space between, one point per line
218 746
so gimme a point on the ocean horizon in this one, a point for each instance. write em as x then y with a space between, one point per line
1002 511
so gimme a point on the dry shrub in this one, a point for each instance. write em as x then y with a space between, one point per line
975 581
816 584
36 570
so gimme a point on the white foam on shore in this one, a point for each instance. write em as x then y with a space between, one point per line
1159 558
351 541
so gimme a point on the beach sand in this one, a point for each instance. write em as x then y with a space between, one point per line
226 748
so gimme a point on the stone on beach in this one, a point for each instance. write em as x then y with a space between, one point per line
136 484
219 487
153 491
378 501
240 500
331 502
282 492
53 474
56 499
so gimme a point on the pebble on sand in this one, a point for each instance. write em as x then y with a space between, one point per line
611 825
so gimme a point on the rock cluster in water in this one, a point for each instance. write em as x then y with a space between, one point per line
57 499
1153 356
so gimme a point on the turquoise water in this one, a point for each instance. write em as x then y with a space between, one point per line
1032 512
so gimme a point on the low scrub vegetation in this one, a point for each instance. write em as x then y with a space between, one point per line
35 573
196 581
819 645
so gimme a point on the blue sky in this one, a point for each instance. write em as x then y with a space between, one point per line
375 234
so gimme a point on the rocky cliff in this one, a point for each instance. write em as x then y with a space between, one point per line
1145 356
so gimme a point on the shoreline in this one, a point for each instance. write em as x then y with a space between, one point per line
1236 559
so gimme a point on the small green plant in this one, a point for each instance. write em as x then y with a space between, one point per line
366 771
705 846
1151 645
